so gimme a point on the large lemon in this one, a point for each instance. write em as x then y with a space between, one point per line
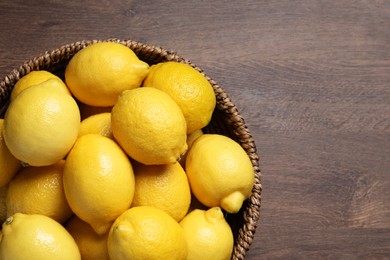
208 235
9 165
146 233
97 74
98 181
220 172
149 126
162 186
39 190
41 125
188 88
36 237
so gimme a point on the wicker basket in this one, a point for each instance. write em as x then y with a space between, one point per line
226 120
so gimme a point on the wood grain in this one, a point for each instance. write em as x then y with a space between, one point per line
311 78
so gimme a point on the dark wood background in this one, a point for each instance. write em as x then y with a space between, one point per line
311 79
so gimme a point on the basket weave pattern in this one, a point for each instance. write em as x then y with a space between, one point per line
226 120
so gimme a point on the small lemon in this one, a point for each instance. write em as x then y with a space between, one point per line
220 172
39 190
34 78
149 126
36 237
97 124
188 88
41 125
208 235
98 181
97 74
162 186
91 245
9 165
146 233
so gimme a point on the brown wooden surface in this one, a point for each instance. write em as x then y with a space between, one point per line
311 78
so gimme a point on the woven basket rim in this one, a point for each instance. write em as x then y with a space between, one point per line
251 209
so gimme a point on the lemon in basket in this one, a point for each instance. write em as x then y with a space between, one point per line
208 235
98 181
188 88
39 190
220 172
34 78
146 233
149 126
41 125
162 186
36 237
97 74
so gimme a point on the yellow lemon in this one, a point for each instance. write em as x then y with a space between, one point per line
91 245
3 204
149 126
97 124
9 165
208 235
191 137
146 233
188 88
39 190
34 78
162 186
98 181
36 237
41 125
97 74
220 172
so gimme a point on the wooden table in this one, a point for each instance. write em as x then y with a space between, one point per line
311 78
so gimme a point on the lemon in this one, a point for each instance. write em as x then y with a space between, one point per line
41 125
91 245
191 137
3 204
146 233
97 74
208 235
36 237
9 165
149 126
97 124
188 88
220 172
34 78
162 186
98 181
39 190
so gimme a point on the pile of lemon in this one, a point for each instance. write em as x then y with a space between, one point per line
112 163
